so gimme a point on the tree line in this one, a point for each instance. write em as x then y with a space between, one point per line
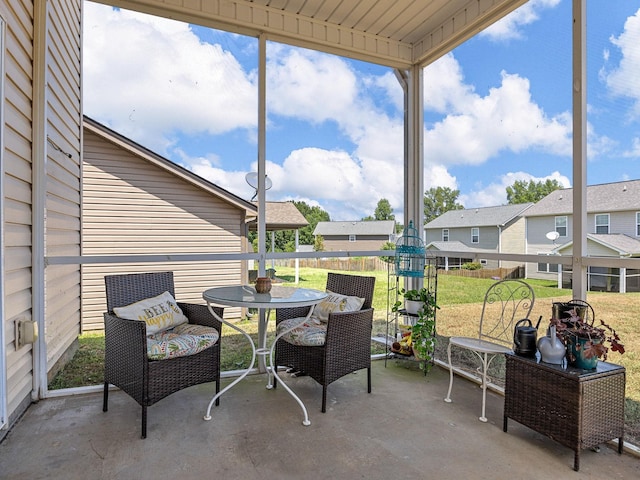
437 200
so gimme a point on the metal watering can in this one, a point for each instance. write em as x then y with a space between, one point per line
525 338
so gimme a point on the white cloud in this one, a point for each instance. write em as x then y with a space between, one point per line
496 193
622 79
234 181
477 128
509 27
634 151
151 78
309 85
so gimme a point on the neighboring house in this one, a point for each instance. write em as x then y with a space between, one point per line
367 235
137 202
478 231
613 228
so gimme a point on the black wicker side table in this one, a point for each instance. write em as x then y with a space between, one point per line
577 408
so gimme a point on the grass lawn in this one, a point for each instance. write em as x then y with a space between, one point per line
460 300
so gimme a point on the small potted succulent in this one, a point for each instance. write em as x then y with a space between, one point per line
586 343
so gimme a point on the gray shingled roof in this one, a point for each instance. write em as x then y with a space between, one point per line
374 227
623 244
281 216
456 246
478 217
607 197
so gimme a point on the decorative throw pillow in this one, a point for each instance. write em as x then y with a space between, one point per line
336 302
159 313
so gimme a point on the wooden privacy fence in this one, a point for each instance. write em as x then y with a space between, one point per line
358 264
495 273
370 264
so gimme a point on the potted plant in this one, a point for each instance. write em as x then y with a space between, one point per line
422 338
413 300
586 343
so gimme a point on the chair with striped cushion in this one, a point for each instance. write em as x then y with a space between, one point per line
347 342
132 359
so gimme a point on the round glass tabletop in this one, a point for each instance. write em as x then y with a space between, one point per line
278 297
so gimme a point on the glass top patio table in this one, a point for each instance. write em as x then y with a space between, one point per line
247 297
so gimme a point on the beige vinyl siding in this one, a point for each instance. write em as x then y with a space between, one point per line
16 188
132 206
342 244
595 249
513 241
64 123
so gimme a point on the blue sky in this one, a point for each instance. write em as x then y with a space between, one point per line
497 109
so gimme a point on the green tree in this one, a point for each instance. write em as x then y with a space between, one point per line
318 244
524 192
438 200
383 212
313 214
388 246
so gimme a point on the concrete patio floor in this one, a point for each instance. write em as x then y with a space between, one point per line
402 430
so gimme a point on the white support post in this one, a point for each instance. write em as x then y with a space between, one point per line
297 280
413 86
579 148
262 143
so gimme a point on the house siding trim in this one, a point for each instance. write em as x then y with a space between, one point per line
17 197
3 348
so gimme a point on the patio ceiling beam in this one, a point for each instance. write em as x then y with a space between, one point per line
412 33
469 20
251 19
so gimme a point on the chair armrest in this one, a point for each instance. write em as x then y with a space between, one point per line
350 328
125 342
200 315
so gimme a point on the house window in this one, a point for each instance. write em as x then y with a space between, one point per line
561 226
475 235
638 224
352 238
547 267
445 234
602 223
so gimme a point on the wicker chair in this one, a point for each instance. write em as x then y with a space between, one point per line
506 302
348 341
126 364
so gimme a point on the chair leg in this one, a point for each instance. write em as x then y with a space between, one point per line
105 397
448 397
144 422
324 399
369 380
218 391
485 365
